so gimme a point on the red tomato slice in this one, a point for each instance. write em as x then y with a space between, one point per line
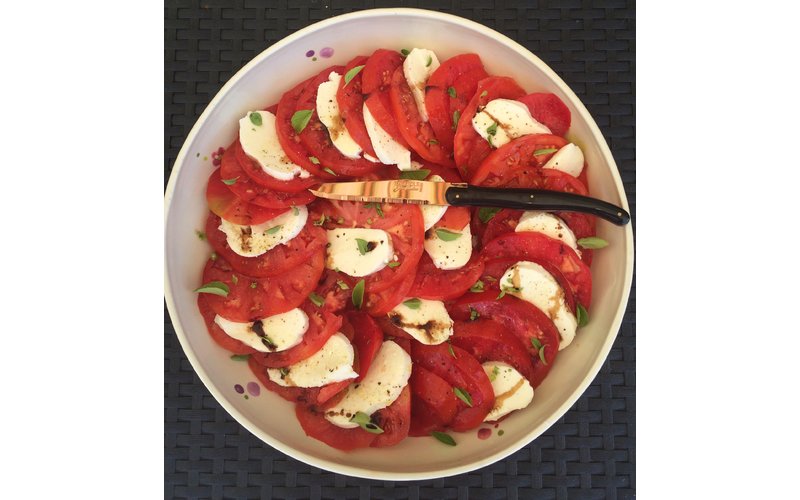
505 221
317 140
380 107
417 133
322 324
379 303
403 222
249 191
230 207
488 340
316 426
351 105
336 290
257 174
454 218
549 110
516 163
520 318
470 148
218 334
270 296
461 73
462 372
378 70
281 259
436 284
288 137
395 421
435 392
367 340
558 258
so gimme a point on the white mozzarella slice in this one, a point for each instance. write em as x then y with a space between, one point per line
417 68
272 334
531 282
568 159
432 213
345 254
427 320
332 363
389 151
451 254
331 117
260 142
387 376
548 224
252 241
511 390
502 120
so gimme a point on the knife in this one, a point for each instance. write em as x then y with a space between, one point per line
464 195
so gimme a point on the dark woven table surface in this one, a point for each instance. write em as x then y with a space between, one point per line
588 453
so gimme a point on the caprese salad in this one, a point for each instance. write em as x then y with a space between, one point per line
382 321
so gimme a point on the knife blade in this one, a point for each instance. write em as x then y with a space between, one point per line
465 195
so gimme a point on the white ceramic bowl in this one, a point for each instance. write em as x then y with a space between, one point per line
261 82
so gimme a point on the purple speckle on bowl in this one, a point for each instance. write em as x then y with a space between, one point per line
309 53
253 388
326 52
238 388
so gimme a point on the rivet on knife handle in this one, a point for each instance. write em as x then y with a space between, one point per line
535 199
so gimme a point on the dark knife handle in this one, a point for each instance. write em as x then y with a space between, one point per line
535 199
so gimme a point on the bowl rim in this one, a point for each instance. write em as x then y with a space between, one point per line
536 431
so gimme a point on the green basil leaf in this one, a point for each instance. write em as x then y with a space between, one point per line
541 355
463 395
416 175
592 242
230 182
494 374
255 119
365 422
473 314
450 348
330 172
492 129
201 235
342 285
485 214
314 160
300 119
316 299
273 229
393 264
477 287
321 220
240 357
377 207
452 92
446 235
351 74
358 294
444 438
432 141
253 284
501 294
405 52
583 316
536 343
412 303
430 60
456 117
295 210
214 287
362 246
544 151
268 342
484 94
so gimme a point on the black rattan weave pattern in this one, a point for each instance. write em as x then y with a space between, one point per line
590 452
